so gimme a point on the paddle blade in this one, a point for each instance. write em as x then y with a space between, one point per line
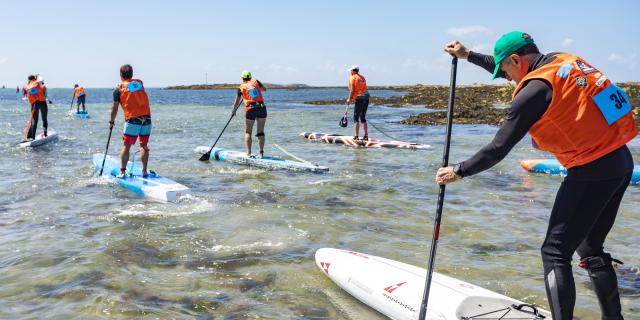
206 156
344 121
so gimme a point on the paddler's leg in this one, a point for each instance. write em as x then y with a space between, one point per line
145 133
34 122
363 117
356 119
124 158
260 134
248 129
599 263
44 109
577 207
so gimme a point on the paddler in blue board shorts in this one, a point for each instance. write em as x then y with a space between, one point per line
551 90
131 95
250 91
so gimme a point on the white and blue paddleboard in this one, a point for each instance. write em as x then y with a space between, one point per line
553 166
154 186
80 114
40 139
272 163
395 289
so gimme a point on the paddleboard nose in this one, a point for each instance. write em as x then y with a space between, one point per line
529 164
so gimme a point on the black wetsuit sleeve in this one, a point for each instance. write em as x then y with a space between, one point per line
116 95
239 93
527 108
261 85
482 60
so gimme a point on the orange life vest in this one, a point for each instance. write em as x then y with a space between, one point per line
78 92
251 92
134 99
588 116
35 92
357 85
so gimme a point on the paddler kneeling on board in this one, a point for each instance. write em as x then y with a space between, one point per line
573 111
130 94
250 91
359 94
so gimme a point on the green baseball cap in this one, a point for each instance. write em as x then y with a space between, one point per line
507 45
246 74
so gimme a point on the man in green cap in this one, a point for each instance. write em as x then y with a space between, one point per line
572 110
250 91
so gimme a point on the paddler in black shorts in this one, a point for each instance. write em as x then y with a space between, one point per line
359 93
572 110
250 91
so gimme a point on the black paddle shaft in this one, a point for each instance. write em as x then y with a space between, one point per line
445 162
105 151
207 155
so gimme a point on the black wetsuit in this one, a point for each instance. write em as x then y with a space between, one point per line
586 204
36 108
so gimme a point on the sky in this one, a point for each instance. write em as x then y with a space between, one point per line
312 42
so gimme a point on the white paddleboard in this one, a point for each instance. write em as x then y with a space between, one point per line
40 139
271 163
153 186
395 289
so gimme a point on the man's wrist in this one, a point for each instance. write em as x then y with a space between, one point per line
457 169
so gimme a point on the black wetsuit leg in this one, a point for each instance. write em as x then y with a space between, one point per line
44 110
360 110
35 114
583 213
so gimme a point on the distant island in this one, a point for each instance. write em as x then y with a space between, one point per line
273 86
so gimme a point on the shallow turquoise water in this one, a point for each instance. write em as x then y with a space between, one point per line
73 245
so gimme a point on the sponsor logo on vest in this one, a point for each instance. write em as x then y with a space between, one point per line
601 80
585 68
325 266
393 287
581 82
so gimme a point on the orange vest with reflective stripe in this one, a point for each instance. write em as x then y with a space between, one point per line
251 92
35 92
575 127
134 99
79 91
357 85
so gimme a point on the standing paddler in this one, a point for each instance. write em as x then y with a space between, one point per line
250 91
80 95
130 94
359 93
35 92
572 110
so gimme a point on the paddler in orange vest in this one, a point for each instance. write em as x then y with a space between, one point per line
250 91
573 111
35 93
359 94
131 95
80 95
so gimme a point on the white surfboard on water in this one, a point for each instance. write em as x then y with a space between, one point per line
40 139
395 289
271 163
153 186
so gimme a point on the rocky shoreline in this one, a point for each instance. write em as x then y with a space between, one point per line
475 104
272 86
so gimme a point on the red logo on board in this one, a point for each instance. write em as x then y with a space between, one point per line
325 266
393 287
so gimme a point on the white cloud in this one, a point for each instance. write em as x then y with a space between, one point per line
3 60
468 30
631 60
482 47
614 57
567 42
